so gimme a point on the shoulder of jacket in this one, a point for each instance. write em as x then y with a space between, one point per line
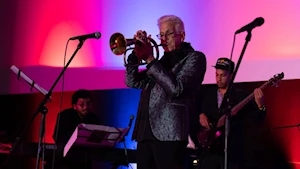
197 54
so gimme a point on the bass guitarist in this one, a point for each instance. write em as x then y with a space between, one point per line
240 155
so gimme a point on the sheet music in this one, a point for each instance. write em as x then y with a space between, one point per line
95 136
102 128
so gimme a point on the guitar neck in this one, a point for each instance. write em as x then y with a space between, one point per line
239 106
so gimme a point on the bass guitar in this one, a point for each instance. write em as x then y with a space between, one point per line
207 137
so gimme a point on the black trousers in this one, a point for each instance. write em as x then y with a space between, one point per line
154 154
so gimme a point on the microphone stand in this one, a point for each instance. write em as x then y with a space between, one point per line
43 110
226 105
116 165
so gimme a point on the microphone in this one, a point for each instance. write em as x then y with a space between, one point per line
257 22
129 126
130 122
95 35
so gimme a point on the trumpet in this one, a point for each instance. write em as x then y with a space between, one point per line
118 45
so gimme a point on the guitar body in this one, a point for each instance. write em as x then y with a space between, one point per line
207 138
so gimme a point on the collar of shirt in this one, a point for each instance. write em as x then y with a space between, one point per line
219 98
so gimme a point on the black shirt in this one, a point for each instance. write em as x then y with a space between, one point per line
66 123
144 130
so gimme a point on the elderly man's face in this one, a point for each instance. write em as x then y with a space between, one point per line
170 37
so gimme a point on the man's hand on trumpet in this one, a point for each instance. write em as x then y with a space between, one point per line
143 48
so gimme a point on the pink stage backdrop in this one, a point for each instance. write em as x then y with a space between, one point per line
40 30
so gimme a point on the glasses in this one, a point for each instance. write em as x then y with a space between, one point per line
160 36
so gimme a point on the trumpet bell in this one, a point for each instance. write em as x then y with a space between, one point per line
118 43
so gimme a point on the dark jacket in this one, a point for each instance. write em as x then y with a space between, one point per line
175 78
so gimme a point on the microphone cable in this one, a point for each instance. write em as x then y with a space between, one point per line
60 109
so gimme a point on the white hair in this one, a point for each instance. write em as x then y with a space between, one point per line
179 25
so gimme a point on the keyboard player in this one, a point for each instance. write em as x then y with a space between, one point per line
66 123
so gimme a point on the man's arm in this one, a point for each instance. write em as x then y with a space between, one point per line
190 76
134 78
255 109
259 107
204 113
257 114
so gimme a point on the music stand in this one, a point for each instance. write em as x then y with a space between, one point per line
91 135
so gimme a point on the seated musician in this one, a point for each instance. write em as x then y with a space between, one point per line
66 123
252 113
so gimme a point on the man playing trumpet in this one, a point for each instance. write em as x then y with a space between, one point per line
168 89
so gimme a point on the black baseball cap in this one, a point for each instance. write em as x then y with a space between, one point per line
225 64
